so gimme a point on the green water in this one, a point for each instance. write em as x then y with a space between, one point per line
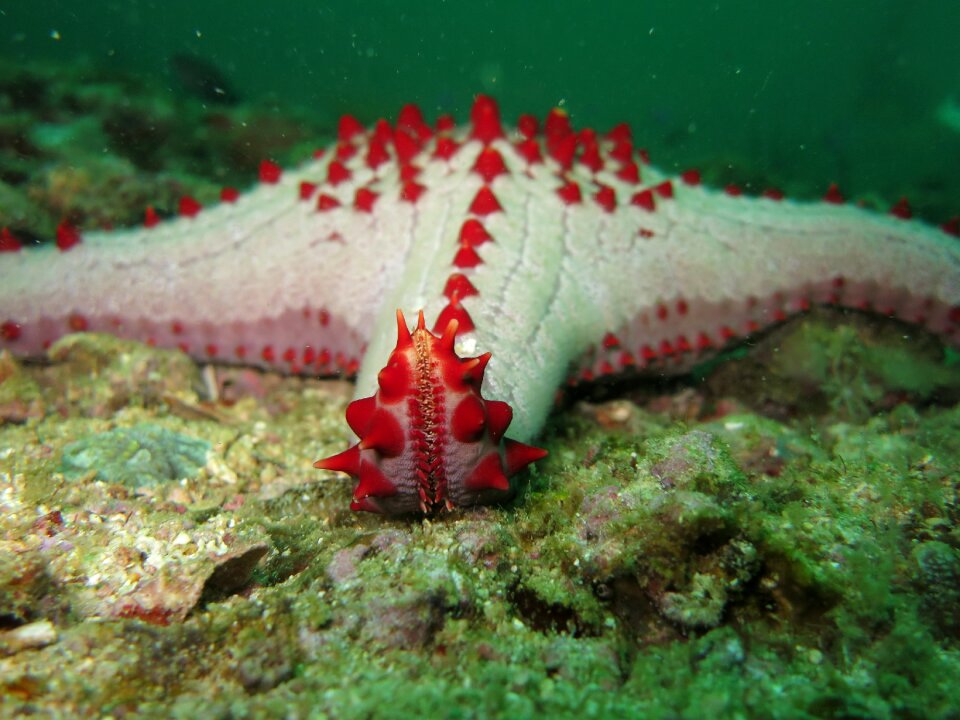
794 94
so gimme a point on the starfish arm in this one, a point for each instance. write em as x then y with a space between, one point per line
669 286
268 281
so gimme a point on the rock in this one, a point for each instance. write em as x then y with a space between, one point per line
138 456
28 637
937 577
98 374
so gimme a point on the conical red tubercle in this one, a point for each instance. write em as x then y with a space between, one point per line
428 439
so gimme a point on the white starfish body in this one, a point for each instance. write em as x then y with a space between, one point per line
589 260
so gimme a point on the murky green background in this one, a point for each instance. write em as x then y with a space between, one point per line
853 92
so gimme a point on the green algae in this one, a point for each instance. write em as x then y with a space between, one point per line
735 566
936 575
20 396
841 362
144 454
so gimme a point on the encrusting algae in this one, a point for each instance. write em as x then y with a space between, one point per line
673 547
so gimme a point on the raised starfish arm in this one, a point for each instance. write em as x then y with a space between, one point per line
661 288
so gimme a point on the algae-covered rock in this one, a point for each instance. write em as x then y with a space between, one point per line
27 637
102 374
138 456
671 528
25 585
937 576
656 566
849 364
20 397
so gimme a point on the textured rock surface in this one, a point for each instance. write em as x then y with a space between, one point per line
673 546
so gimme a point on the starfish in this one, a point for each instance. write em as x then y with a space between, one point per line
563 253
